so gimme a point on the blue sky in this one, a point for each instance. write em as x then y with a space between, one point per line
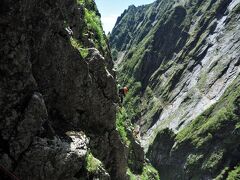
111 9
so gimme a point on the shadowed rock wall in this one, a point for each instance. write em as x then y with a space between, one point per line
55 105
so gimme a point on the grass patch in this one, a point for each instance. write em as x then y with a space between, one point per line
122 122
193 161
213 120
92 164
213 161
132 100
212 135
149 173
235 174
131 175
94 25
76 44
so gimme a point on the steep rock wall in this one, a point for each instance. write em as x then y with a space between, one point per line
55 104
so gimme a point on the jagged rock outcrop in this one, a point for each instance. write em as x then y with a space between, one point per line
179 59
55 104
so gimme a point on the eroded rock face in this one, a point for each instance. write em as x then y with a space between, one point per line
53 159
54 104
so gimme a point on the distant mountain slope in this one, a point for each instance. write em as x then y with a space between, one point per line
59 107
179 58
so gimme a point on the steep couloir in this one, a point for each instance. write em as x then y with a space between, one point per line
181 61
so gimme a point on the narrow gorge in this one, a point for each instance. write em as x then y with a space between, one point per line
180 60
60 113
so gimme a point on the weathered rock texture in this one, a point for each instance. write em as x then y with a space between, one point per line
180 58
55 105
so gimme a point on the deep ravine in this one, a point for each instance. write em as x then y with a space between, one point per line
180 60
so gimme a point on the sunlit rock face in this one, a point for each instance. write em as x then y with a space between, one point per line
180 58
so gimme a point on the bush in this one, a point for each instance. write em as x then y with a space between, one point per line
92 164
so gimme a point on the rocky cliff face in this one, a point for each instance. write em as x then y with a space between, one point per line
181 62
57 93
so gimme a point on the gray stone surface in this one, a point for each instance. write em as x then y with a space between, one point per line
54 104
203 85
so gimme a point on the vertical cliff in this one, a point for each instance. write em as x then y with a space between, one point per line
57 93
180 60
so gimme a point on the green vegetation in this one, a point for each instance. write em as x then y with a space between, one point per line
82 2
213 120
222 175
114 54
133 99
235 174
93 23
93 30
76 44
133 64
149 173
212 135
213 160
202 129
130 109
131 175
153 104
122 122
202 81
193 161
206 144
92 164
89 4
94 168
125 128
95 27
